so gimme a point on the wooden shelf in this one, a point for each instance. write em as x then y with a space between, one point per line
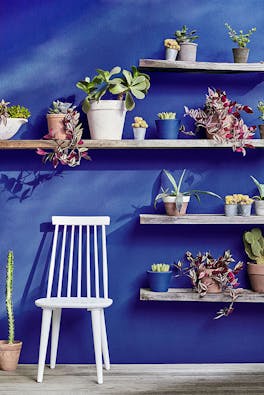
199 219
126 144
189 295
205 67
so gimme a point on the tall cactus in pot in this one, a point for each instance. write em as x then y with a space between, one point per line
9 295
254 248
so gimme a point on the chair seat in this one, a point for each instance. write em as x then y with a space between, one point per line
74 303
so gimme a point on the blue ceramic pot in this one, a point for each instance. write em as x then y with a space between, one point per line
167 128
159 281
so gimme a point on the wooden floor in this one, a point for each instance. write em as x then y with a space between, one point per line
215 379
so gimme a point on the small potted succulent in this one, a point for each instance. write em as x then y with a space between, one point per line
254 248
241 39
261 117
186 39
172 48
167 125
11 119
238 204
56 119
213 275
106 117
159 277
10 349
175 201
222 120
231 208
259 199
245 205
139 128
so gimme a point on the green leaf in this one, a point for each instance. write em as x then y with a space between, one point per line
140 87
116 81
138 80
197 191
115 70
115 90
85 105
180 181
158 197
129 101
128 76
172 181
136 93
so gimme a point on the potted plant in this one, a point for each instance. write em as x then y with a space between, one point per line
241 39
139 128
167 125
175 201
188 49
245 205
238 204
222 120
259 199
254 248
159 277
231 206
261 110
172 48
69 151
56 119
213 275
106 117
10 349
11 119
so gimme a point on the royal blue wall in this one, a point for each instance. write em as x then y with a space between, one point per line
46 47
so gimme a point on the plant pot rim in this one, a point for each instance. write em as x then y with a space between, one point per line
56 115
150 271
172 199
162 120
188 43
243 49
9 119
107 105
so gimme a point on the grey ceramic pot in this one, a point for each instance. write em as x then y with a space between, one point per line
245 210
240 55
231 210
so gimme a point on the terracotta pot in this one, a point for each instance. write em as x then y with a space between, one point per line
56 126
256 276
170 205
212 285
240 55
9 354
261 131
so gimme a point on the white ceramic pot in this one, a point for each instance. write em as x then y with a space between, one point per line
187 52
259 207
106 119
11 128
171 54
139 133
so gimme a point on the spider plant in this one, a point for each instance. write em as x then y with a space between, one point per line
260 189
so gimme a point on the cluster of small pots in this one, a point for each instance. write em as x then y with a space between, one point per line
238 204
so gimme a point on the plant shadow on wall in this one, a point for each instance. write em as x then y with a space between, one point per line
23 186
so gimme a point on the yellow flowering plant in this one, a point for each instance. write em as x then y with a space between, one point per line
172 44
139 122
238 198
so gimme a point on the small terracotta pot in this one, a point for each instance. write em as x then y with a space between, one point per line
240 55
171 208
213 286
256 276
56 126
261 131
9 354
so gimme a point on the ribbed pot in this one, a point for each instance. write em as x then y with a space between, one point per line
56 126
256 276
240 55
9 354
231 210
171 208
167 129
245 209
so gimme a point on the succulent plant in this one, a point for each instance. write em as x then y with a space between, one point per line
160 267
60 107
254 245
167 115
172 44
9 293
139 122
261 109
185 36
260 189
3 111
241 39
18 112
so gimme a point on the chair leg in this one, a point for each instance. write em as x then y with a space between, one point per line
104 342
44 337
56 318
96 325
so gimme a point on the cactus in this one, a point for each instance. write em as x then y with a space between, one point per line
254 245
160 267
9 292
60 107
167 115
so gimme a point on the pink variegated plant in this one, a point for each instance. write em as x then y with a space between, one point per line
222 120
70 151
208 273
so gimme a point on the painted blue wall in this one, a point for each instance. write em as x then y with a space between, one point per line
45 48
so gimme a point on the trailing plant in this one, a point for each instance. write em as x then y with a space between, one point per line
222 119
9 297
241 39
254 245
139 122
69 152
7 111
260 189
160 267
167 115
129 85
176 191
172 44
185 36
59 107
205 271
261 109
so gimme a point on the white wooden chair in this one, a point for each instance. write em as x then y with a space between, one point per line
69 262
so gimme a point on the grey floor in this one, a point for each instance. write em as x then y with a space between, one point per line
214 379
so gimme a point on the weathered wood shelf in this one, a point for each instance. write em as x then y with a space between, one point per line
189 295
199 219
206 67
126 144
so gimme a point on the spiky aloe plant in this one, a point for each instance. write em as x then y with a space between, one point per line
9 292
